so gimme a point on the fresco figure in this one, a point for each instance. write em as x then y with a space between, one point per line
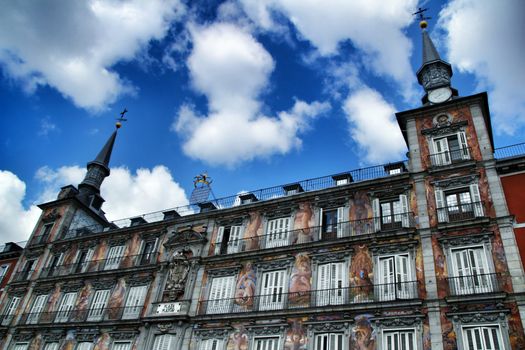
296 337
303 221
300 280
117 299
36 343
80 310
245 288
361 214
361 275
51 306
69 343
132 249
97 261
238 340
252 232
363 335
449 336
102 342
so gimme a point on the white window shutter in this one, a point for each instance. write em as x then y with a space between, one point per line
272 297
211 344
218 240
323 284
221 293
476 199
442 156
114 257
376 210
10 311
100 299
405 219
462 137
121 346
84 346
87 259
64 310
36 309
441 208
135 302
235 239
51 346
342 230
164 342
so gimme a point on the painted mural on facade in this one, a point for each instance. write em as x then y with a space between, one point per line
70 255
132 249
361 275
516 334
82 303
238 339
296 338
420 272
52 304
363 335
449 335
300 281
360 213
36 343
103 342
245 287
116 300
98 257
253 231
69 343
304 221
427 341
440 267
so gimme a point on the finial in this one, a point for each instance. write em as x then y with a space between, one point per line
422 18
118 124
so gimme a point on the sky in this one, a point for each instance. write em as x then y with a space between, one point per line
257 93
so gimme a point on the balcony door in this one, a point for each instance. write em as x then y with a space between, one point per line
330 284
272 291
393 279
470 270
277 233
221 293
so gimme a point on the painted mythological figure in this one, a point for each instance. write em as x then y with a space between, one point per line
300 280
245 288
361 275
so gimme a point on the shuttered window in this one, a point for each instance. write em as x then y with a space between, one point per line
51 346
114 257
470 271
267 343
211 344
36 309
84 346
272 291
331 281
64 310
84 258
221 293
164 342
98 305
121 345
394 278
135 302
399 340
9 311
483 338
450 149
328 341
277 233
20 346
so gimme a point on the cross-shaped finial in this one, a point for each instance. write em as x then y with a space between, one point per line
121 119
420 13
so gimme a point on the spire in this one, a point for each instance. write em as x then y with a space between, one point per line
430 53
105 153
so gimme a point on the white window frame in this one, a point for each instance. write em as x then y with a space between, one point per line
341 224
220 296
98 305
265 343
10 310
278 232
55 264
389 335
135 302
273 290
471 279
483 338
66 306
44 227
121 345
211 344
400 215
442 207
87 259
3 271
236 233
51 346
335 341
391 281
332 283
20 346
163 342
441 153
114 257
84 346
39 303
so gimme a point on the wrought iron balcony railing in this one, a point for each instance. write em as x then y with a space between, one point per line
378 293
475 284
23 275
460 212
5 320
86 315
317 233
115 263
517 150
450 157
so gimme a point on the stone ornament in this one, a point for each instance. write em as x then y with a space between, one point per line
178 270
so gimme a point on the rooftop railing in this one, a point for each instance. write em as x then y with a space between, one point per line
510 151
366 293
116 263
475 284
84 315
318 233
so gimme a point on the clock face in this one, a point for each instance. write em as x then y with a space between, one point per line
439 95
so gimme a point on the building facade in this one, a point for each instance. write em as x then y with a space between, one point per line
410 255
9 254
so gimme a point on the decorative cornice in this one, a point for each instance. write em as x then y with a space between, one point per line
153 235
274 264
53 215
389 192
53 336
267 330
86 336
33 254
90 243
456 181
224 271
232 221
124 335
184 238
22 336
464 240
398 247
72 286
281 211
212 333
43 289
119 240
103 283
445 129
134 280
479 317
328 326
331 202
326 257
18 292
166 327
399 321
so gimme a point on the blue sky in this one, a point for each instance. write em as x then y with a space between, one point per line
258 93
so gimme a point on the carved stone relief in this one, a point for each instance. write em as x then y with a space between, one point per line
178 270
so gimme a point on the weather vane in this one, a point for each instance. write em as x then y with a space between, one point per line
420 13
121 119
202 179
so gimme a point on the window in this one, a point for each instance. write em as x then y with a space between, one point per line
458 204
211 344
21 346
399 340
45 231
450 149
390 214
164 342
341 182
55 264
98 305
66 305
228 239
328 341
277 232
38 306
394 278
114 257
221 292
470 271
28 269
135 302
121 345
272 291
332 222
267 343
3 271
482 338
84 346
331 279
9 311
148 250
84 258
51 346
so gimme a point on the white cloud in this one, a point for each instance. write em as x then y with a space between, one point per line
373 127
232 69
47 126
16 222
376 28
72 45
487 38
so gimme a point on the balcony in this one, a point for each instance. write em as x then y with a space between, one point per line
353 228
450 157
5 320
39 239
21 276
76 316
378 293
475 284
460 212
100 265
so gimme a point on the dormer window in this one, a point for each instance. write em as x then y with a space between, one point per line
395 168
247 198
342 179
293 189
